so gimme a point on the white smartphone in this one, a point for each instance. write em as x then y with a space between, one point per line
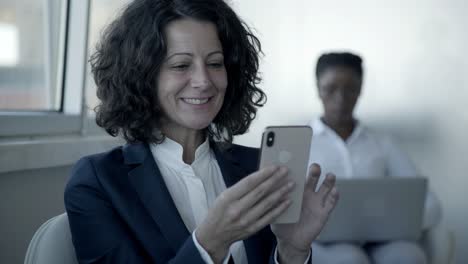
288 146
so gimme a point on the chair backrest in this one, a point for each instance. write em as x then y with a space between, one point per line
52 244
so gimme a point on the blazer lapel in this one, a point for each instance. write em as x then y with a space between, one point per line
153 193
232 173
229 165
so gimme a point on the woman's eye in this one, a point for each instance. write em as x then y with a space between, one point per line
179 67
216 64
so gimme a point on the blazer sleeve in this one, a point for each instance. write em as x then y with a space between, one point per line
99 234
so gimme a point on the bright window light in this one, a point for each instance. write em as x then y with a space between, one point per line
9 45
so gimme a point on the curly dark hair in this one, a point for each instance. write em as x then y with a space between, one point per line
127 60
334 59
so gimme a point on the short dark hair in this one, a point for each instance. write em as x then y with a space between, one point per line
337 59
127 60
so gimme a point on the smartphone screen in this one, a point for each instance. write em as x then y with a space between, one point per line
288 146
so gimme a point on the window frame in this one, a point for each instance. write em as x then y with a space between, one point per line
70 81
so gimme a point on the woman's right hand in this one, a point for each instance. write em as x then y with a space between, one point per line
245 208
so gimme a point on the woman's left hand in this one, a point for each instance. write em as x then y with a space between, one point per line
294 240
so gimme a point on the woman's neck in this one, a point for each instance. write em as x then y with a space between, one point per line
189 139
343 128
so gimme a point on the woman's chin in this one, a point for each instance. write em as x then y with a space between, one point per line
198 125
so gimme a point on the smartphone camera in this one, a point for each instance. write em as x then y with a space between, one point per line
270 139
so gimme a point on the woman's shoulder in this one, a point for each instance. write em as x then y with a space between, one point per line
246 157
244 150
111 157
237 151
87 168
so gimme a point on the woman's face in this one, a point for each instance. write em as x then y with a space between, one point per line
339 90
192 80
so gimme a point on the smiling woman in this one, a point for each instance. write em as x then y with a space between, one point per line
178 79
192 80
122 69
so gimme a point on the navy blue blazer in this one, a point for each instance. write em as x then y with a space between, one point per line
120 210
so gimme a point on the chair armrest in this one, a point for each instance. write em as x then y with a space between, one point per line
439 244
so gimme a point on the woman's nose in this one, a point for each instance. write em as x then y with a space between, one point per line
339 96
200 77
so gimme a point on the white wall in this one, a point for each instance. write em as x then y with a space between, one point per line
33 174
28 199
416 83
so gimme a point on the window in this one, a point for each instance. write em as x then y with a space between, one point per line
31 54
42 65
43 58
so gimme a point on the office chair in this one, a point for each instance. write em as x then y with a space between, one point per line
52 243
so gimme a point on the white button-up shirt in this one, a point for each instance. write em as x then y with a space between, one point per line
365 155
193 187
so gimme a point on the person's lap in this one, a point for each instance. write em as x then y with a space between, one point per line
338 253
379 253
397 252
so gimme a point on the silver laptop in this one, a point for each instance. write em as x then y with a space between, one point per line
377 209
